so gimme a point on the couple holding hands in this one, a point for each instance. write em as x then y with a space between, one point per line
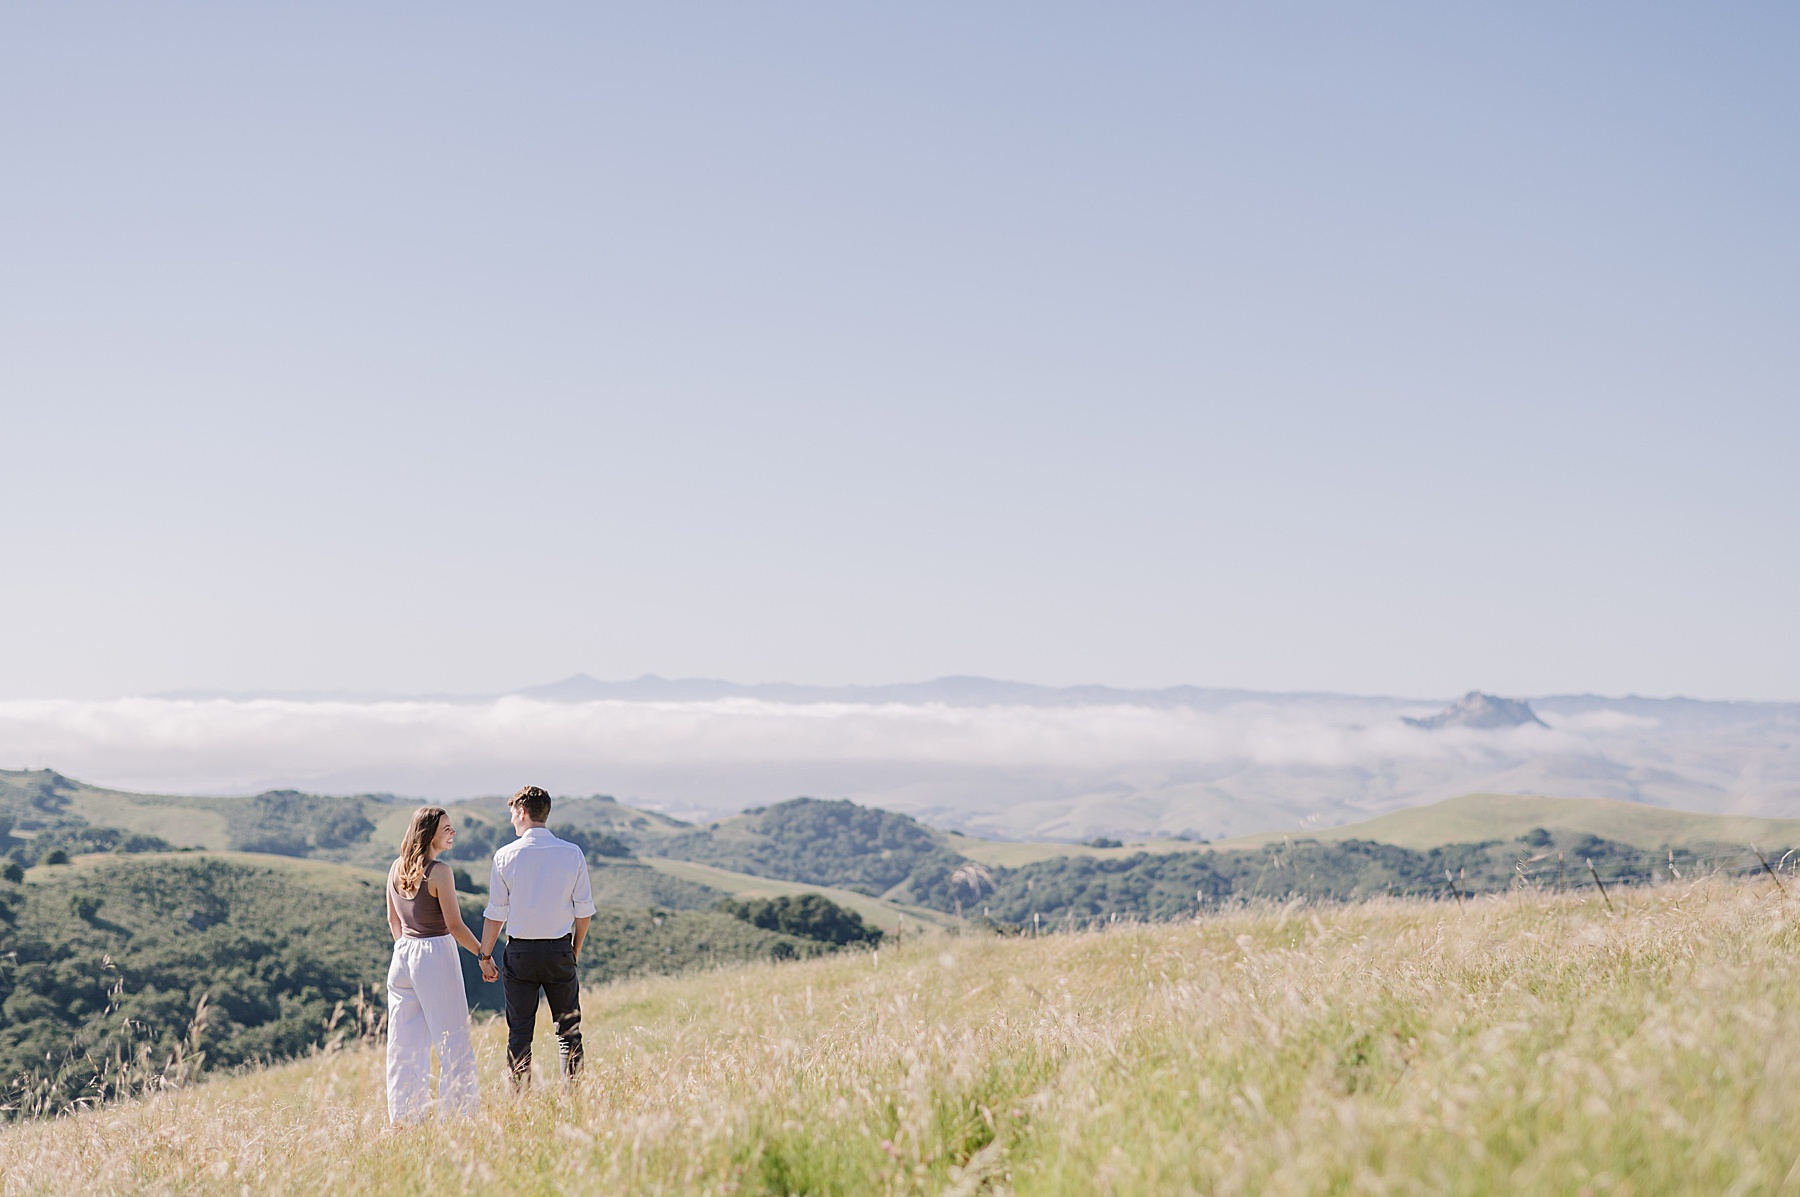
539 893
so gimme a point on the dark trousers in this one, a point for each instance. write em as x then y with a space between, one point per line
529 967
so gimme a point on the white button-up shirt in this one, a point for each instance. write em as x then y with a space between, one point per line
539 886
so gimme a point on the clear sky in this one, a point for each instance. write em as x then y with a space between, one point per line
453 347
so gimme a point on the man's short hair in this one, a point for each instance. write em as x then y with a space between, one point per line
533 801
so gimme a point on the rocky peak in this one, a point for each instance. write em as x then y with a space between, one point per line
1476 709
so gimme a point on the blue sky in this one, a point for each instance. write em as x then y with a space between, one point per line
456 348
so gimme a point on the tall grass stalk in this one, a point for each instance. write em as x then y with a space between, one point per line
1525 1043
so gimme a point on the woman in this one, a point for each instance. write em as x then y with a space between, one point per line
427 1007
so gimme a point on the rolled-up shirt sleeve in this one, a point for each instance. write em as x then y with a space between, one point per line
583 897
499 897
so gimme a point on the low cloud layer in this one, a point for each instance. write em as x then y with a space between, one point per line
232 746
1066 771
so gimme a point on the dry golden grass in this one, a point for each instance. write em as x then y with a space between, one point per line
1524 1044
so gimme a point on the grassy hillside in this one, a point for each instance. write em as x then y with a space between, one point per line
1528 1044
183 822
1476 817
41 809
42 801
876 911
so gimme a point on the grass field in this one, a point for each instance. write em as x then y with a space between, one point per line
1521 1044
1476 817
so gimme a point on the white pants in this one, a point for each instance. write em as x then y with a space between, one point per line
427 1010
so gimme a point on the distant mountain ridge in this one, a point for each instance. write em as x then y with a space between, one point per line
955 690
970 690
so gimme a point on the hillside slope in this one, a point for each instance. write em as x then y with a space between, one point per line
1526 1045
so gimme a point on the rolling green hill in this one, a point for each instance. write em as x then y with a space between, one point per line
42 809
364 831
886 866
183 822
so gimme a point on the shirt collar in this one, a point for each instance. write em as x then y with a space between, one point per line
534 833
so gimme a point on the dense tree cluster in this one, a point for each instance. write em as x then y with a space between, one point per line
809 916
839 843
290 823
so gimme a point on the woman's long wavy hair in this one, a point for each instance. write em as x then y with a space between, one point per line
415 849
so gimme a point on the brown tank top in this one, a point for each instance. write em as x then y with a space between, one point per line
422 915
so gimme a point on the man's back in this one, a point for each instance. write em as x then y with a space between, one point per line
539 886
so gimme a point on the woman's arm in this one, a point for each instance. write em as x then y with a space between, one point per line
443 886
393 915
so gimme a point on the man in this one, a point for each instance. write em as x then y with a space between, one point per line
539 892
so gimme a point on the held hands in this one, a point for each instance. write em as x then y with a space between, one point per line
490 972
